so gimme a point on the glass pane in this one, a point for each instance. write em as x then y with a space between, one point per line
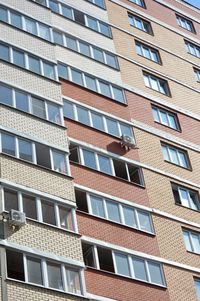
92 23
154 84
48 70
30 26
25 150
129 216
67 12
122 264
3 14
73 282
193 200
118 94
34 64
195 242
62 71
54 276
183 159
38 107
15 19
29 206
89 159
71 43
146 52
197 283
113 211
83 115
172 121
4 53
155 273
59 162
111 60
104 164
44 32
84 49
53 6
104 29
54 113
98 55
77 77
144 220
90 83
34 270
112 127
18 58
58 39
105 89
184 197
126 130
66 220
165 153
97 121
68 110
97 206
187 240
21 100
48 213
155 115
139 269
163 117
8 144
10 199
173 156
5 95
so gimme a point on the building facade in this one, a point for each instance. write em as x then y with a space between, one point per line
99 150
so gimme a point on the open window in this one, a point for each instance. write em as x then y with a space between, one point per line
15 266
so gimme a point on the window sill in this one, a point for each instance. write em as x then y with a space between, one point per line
168 127
163 94
185 168
187 208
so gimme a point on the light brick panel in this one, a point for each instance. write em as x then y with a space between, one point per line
37 178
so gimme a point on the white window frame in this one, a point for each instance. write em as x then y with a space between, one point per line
161 84
178 152
150 51
133 22
193 49
185 23
167 113
189 232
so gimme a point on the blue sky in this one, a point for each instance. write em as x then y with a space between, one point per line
195 3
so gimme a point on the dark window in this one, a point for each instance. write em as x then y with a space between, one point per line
43 155
81 200
10 199
74 155
88 255
79 17
105 259
15 268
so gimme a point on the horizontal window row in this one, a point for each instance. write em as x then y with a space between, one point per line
106 164
31 104
166 118
186 197
25 23
39 208
92 83
175 155
77 16
86 49
192 241
114 211
43 272
28 61
100 3
123 264
96 120
148 52
34 152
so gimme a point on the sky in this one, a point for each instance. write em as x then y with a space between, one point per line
195 3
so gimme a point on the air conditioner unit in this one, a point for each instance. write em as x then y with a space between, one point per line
127 141
17 218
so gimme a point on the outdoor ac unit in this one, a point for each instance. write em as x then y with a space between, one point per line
17 218
127 141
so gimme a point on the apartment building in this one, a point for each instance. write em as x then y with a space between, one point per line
99 150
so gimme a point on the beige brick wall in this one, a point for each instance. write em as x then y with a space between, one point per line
29 42
20 291
48 239
35 177
171 243
32 126
150 153
31 8
180 284
30 81
161 196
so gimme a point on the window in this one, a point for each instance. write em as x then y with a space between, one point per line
114 211
86 49
23 101
148 52
25 23
138 2
197 74
193 49
123 264
27 61
34 152
37 208
192 241
97 120
139 23
185 23
106 164
166 118
43 272
95 84
197 281
100 3
155 83
186 197
175 155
